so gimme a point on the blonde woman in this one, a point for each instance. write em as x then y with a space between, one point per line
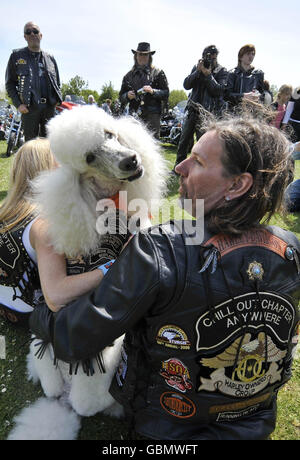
27 259
19 281
283 96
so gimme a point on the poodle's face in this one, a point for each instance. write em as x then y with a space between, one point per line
113 159
88 140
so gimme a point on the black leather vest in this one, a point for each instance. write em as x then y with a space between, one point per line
15 262
220 352
24 89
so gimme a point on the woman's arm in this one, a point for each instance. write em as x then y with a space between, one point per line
58 288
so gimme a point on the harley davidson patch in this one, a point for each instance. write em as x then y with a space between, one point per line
177 405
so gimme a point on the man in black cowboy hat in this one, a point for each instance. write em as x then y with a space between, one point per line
207 82
144 87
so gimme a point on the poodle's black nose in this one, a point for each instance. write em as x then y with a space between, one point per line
129 164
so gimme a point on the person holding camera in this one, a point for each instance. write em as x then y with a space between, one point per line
244 81
145 87
207 82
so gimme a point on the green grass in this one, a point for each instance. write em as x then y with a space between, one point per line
16 392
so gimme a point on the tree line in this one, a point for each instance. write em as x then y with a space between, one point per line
79 87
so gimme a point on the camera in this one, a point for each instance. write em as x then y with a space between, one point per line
140 93
207 60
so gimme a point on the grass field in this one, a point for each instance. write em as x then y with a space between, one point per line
16 392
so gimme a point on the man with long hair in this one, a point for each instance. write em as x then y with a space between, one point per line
211 328
145 88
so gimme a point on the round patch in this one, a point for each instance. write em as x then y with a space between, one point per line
173 337
177 405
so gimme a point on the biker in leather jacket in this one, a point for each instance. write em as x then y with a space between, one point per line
21 75
244 79
145 88
207 85
211 327
32 81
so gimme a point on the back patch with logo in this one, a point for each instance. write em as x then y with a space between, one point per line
243 342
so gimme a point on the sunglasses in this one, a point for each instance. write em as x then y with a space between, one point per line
29 31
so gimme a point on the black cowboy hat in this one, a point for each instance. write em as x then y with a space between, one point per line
144 48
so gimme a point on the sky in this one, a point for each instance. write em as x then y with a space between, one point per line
94 38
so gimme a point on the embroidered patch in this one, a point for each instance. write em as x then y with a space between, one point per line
176 374
12 251
243 344
240 406
234 411
173 337
259 237
21 61
177 405
277 314
259 364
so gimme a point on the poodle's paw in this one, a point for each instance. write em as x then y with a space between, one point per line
44 371
115 410
32 373
89 401
46 419
52 384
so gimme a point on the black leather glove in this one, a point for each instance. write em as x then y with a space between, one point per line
41 322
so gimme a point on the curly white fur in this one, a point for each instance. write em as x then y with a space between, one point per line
90 147
68 196
45 420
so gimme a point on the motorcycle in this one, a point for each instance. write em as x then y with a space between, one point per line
171 129
166 124
14 134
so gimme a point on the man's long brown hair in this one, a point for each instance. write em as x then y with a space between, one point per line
253 146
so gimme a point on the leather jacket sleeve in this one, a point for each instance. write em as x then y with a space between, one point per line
124 90
193 79
160 86
127 291
216 83
11 81
260 81
231 96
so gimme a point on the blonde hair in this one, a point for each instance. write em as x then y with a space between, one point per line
32 158
284 89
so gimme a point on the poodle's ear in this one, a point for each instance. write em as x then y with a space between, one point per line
71 222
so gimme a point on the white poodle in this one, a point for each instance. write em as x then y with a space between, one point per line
99 156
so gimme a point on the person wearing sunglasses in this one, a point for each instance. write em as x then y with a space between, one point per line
32 81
